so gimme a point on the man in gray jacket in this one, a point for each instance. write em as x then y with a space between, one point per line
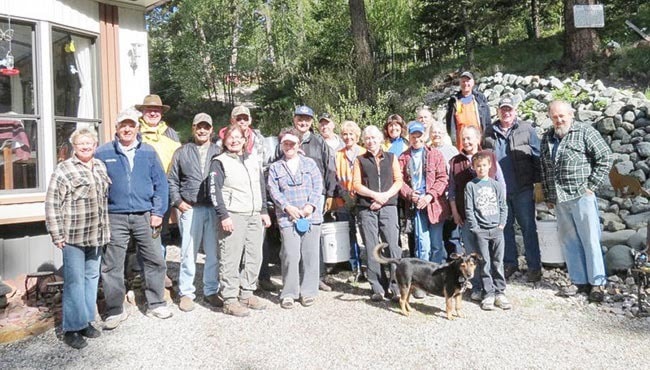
189 193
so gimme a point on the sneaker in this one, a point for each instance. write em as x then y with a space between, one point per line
74 340
253 302
186 304
568 291
90 332
597 294
324 287
114 321
161 312
287 303
533 276
502 302
509 270
213 300
418 294
267 285
487 304
377 297
307 301
475 296
235 308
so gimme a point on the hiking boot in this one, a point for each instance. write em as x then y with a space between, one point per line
161 312
90 332
377 297
533 276
253 302
418 294
267 285
568 291
502 302
186 304
236 309
597 294
487 304
509 270
74 340
324 287
213 300
114 321
475 296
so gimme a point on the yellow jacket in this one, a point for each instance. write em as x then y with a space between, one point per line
164 145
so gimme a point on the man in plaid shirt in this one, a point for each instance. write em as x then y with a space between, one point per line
575 161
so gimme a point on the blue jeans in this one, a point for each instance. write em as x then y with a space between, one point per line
80 279
521 206
579 233
198 225
428 238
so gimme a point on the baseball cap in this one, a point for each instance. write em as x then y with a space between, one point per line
290 137
415 126
325 116
240 109
303 110
506 102
467 74
129 114
202 117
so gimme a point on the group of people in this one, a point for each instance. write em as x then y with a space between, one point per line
413 178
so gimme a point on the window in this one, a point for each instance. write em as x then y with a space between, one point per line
19 116
75 87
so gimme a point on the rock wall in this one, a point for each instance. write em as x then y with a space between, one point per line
623 119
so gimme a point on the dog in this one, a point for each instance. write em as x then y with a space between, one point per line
448 280
626 184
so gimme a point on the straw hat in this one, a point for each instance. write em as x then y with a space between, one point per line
152 101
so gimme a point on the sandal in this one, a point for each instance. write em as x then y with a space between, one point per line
287 303
307 301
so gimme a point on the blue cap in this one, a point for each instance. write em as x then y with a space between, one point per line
415 126
304 110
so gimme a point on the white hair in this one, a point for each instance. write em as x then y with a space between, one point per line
373 130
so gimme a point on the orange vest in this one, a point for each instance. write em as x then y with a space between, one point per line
466 115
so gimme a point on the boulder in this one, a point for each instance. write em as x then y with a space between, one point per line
636 221
629 116
643 149
588 115
610 239
639 239
618 259
606 126
614 108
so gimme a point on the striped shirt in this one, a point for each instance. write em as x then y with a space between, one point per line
76 204
582 160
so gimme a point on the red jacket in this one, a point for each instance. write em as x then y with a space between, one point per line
436 180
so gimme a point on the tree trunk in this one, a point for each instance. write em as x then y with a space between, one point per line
211 80
579 43
534 18
469 40
365 64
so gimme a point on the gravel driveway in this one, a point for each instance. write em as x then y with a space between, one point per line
344 329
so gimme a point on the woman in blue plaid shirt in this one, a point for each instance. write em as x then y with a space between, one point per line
296 186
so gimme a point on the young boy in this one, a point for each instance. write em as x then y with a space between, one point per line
486 210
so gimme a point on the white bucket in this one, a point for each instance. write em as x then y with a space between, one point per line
335 241
549 244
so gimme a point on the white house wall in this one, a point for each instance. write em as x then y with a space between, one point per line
79 14
134 83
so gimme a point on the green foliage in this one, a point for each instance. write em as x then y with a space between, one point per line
569 95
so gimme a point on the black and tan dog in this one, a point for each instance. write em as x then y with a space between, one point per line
448 280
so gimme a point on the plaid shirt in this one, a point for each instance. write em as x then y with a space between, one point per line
582 160
76 204
299 189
